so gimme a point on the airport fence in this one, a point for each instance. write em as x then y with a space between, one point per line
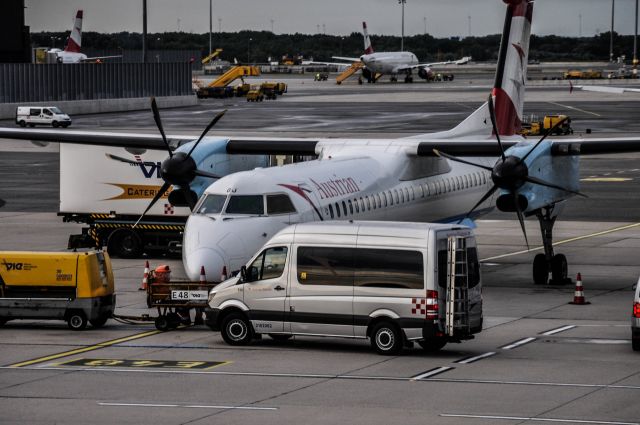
21 83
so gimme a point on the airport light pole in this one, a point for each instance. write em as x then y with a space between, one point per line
402 3
613 13
144 31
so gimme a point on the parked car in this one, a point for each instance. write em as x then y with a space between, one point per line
41 115
635 320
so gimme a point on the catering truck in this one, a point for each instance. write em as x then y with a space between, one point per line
109 197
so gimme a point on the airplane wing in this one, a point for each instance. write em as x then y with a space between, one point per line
235 145
96 58
342 58
421 65
607 89
337 64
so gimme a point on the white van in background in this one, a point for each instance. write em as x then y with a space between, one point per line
41 115
390 282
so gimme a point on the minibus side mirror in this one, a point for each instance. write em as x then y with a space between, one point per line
243 274
251 274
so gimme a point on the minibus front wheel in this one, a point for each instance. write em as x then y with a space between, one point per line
386 338
236 329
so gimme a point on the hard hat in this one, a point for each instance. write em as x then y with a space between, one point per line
163 268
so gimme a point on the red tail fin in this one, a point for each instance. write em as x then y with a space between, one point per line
368 48
75 40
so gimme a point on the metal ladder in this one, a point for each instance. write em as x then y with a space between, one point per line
457 304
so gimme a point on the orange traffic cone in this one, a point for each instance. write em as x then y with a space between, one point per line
145 278
578 295
223 276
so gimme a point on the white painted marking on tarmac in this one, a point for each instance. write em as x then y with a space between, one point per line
186 406
596 341
518 343
476 358
575 109
432 372
558 330
523 418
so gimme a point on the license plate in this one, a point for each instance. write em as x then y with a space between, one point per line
189 295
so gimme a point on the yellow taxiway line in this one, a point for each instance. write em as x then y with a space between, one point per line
85 349
578 238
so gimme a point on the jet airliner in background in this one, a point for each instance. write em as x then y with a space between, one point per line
450 176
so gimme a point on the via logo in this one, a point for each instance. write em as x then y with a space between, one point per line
12 266
150 169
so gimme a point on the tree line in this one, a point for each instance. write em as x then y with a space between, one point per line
258 46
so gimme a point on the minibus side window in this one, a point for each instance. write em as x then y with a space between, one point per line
34 112
384 268
325 266
268 265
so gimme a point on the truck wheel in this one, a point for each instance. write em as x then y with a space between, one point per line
431 345
386 339
125 243
77 320
236 329
162 323
22 124
99 322
55 124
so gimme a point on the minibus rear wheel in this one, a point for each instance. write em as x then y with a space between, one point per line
236 329
386 338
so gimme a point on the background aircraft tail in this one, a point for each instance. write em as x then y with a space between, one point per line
510 80
75 40
368 48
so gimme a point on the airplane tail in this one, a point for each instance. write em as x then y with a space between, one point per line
75 40
368 48
510 80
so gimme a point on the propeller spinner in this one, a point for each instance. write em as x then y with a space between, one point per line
510 173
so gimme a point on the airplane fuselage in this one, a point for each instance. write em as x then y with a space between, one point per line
379 181
389 62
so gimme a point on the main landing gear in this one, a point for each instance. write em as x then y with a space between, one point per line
546 263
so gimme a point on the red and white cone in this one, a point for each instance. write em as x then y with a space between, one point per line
203 276
223 276
578 295
145 277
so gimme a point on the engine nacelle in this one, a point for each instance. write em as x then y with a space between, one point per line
177 198
424 73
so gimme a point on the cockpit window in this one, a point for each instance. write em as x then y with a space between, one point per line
211 204
245 204
279 204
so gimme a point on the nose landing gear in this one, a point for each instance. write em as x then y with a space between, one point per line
546 263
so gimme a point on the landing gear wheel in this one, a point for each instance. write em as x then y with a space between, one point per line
125 243
559 269
279 337
77 320
431 345
540 270
236 329
99 322
386 339
162 323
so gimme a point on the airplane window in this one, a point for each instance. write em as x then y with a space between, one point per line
413 193
406 192
350 207
344 208
337 210
355 203
475 179
368 203
331 210
390 197
447 183
379 200
211 204
384 196
279 204
245 204
362 204
401 196
395 192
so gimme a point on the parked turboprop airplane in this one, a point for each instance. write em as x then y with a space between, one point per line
410 179
393 63
71 52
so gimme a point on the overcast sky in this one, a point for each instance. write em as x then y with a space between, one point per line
443 17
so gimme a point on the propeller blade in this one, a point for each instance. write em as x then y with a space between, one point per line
484 198
188 196
453 158
492 115
161 192
541 182
546 134
156 118
206 130
205 174
520 218
128 161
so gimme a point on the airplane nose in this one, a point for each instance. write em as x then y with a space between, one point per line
211 259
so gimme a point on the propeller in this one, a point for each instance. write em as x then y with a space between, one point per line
179 169
510 173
